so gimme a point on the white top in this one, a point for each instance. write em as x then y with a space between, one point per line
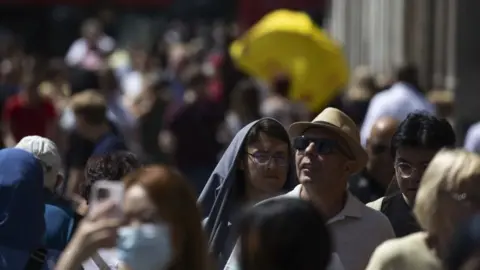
356 231
79 54
472 139
396 102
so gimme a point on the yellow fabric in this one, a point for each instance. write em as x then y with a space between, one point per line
289 42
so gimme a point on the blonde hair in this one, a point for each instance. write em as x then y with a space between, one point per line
91 105
451 172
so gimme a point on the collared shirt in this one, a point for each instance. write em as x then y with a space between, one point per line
396 102
357 230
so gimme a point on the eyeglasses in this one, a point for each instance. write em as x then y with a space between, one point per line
264 158
322 146
406 170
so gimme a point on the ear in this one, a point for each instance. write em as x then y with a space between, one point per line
349 165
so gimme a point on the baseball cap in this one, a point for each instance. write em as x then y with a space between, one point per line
46 152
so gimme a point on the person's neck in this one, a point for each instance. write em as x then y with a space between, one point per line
253 196
329 204
99 132
378 177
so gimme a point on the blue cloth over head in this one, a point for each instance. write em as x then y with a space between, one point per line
217 199
21 207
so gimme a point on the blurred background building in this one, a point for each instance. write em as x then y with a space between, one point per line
437 35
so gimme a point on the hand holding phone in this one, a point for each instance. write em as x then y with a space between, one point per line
104 190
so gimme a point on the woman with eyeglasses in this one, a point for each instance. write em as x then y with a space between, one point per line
418 138
258 164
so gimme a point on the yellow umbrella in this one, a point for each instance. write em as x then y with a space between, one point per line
286 41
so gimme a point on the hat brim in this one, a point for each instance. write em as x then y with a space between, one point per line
360 155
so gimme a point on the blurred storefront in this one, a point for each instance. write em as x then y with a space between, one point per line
440 36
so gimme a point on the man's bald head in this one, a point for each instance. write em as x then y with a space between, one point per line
384 127
380 163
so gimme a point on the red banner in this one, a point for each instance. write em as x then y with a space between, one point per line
131 3
250 11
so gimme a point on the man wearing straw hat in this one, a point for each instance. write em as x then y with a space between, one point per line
328 152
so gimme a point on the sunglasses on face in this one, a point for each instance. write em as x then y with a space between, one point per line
322 146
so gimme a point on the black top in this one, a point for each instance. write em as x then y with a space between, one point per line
400 215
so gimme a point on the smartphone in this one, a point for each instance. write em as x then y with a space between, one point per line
104 190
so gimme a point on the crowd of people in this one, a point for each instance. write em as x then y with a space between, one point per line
222 171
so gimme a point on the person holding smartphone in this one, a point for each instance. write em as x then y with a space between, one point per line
160 226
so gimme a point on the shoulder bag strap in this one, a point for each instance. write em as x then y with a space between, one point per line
100 262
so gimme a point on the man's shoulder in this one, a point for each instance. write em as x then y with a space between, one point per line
373 213
398 247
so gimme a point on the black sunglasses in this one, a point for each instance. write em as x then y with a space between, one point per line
322 146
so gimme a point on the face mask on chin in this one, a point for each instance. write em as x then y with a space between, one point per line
145 247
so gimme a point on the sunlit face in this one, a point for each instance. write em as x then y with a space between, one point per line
324 170
410 164
267 161
138 208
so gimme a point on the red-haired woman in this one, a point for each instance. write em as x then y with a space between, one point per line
161 226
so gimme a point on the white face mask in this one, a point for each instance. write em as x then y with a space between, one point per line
145 247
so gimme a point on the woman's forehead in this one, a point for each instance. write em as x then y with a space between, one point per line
137 200
267 143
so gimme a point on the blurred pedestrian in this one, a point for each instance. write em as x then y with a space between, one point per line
372 182
448 195
284 234
404 97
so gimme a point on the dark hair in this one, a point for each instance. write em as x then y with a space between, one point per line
423 130
245 92
270 127
408 73
281 85
112 166
465 244
287 234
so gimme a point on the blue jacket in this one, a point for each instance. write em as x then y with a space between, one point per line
21 207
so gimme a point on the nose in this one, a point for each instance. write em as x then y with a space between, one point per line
311 149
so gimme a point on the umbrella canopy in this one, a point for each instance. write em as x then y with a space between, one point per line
289 42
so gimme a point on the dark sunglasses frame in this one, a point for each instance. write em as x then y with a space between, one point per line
322 146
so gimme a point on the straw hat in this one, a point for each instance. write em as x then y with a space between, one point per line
338 122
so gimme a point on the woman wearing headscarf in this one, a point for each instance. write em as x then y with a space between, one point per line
258 164
448 195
